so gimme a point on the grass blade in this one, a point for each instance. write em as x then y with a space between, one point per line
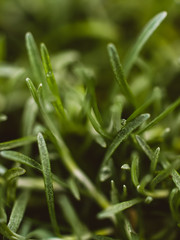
18 211
161 116
123 134
14 173
119 74
145 147
119 207
148 30
46 169
176 178
51 80
34 58
154 160
135 170
17 143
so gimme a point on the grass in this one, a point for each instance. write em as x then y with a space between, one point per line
83 157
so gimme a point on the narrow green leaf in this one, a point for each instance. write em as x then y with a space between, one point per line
13 173
78 228
32 89
21 158
119 207
51 80
3 216
119 74
114 193
148 30
46 169
34 58
135 170
176 178
145 147
74 188
154 160
18 211
161 116
173 203
6 232
17 143
166 172
123 134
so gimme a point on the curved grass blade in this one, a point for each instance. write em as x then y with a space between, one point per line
135 170
123 134
148 30
6 232
17 143
161 116
18 211
51 80
34 58
46 169
119 207
13 173
119 74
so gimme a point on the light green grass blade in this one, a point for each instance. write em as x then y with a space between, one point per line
51 80
135 170
18 211
119 74
145 147
13 173
112 210
154 160
114 193
17 143
46 169
123 134
74 188
32 90
161 116
78 228
34 58
173 203
148 30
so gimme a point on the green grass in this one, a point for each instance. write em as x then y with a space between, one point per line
83 156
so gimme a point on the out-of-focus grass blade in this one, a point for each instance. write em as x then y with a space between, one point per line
176 178
119 74
154 160
98 237
13 173
3 117
145 105
148 30
173 203
123 134
17 143
79 229
74 188
135 170
46 169
112 210
3 216
161 116
51 80
34 58
114 193
6 232
145 147
18 211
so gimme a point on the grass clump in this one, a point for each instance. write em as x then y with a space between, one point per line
85 164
